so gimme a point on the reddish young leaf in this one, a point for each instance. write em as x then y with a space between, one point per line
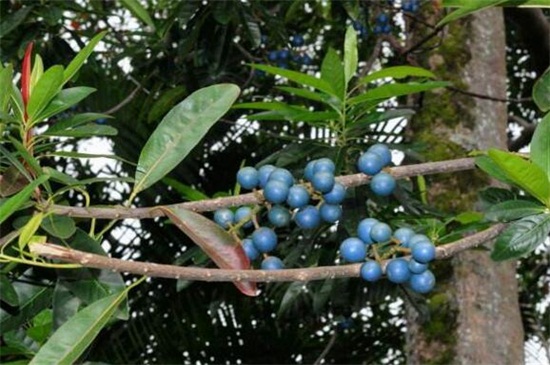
26 76
215 242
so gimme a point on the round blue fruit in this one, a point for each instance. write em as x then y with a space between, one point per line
264 239
397 271
283 175
306 60
377 29
330 213
422 283
383 151
386 29
324 164
380 232
371 271
272 263
248 177
224 217
263 174
308 217
418 238
423 251
383 184
244 214
416 267
284 54
382 18
298 196
336 195
403 235
353 249
250 250
273 56
279 216
275 191
364 228
323 181
370 163
298 40
309 170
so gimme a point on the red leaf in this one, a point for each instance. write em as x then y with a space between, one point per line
26 76
215 242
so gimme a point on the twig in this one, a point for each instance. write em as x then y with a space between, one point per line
91 260
488 97
119 106
251 198
327 348
7 238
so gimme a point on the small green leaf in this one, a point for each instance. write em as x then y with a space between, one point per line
9 295
45 90
181 130
37 71
525 174
41 326
396 89
219 245
350 54
84 131
521 237
11 205
64 100
541 91
138 11
332 71
12 21
81 57
540 145
59 226
6 75
397 72
486 164
511 210
469 8
29 230
75 121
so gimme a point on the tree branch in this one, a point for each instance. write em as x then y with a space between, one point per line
90 260
252 198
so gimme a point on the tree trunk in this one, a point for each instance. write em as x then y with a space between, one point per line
474 315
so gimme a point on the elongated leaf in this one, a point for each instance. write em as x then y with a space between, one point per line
165 102
525 174
9 295
138 11
396 89
180 130
521 237
17 102
266 105
64 100
6 75
186 191
59 176
214 241
300 78
84 131
71 154
513 209
397 72
74 336
11 205
10 22
75 121
45 90
37 71
81 57
486 164
304 93
58 226
292 295
350 54
540 145
541 91
29 230
332 71
469 8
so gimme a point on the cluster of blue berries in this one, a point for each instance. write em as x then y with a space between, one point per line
282 57
376 239
382 25
371 163
410 6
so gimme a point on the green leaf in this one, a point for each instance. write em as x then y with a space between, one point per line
521 237
486 164
525 174
304 93
64 100
165 102
59 226
469 8
396 89
11 205
138 11
81 57
41 326
9 295
186 191
75 121
70 154
83 131
511 210
12 21
59 176
11 181
181 130
332 71
29 230
541 91
350 54
300 78
219 245
37 71
6 75
540 145
17 102
45 90
292 294
397 72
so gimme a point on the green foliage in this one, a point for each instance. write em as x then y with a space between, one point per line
522 237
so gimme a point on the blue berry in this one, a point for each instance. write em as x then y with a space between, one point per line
273 56
357 25
417 267
298 40
383 151
377 29
283 175
324 164
323 181
371 270
403 235
330 213
101 121
244 214
306 60
265 239
418 238
364 228
423 251
380 232
224 217
250 250
248 177
308 217
336 195
370 163
383 184
279 216
284 54
309 170
386 29
272 263
422 283
275 191
398 271
382 18
298 196
263 174
353 249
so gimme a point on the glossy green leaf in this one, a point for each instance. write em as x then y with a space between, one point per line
11 205
17 102
486 164
521 237
37 71
84 131
29 229
396 89
181 130
9 295
71 154
6 75
13 20
397 72
511 210
41 326
292 295
541 91
304 93
300 78
219 245
469 7
350 54
81 57
64 100
540 145
45 90
65 304
186 191
525 174
165 102
59 176
138 11
75 121
332 71
58 226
